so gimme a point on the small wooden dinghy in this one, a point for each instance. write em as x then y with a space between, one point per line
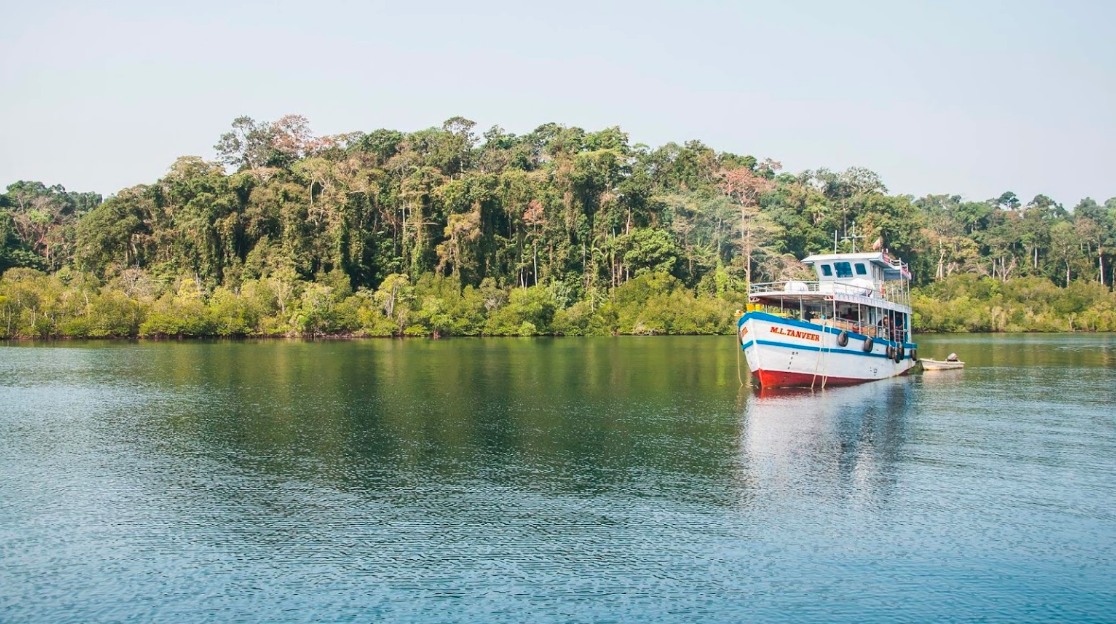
937 365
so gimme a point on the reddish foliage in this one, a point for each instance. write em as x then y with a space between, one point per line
743 185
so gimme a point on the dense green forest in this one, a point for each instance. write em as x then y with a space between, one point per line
559 231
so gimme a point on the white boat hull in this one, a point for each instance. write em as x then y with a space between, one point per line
785 352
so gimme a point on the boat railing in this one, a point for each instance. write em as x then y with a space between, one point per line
897 292
794 286
852 326
892 292
873 331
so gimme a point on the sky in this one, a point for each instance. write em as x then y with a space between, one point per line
972 98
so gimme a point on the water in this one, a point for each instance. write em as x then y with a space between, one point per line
551 480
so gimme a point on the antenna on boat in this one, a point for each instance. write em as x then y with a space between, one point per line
849 237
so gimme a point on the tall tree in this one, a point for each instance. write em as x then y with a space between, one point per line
744 187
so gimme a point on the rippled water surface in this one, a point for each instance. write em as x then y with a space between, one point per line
551 480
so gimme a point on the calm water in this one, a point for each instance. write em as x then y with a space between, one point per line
551 480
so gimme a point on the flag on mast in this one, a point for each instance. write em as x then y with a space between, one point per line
877 244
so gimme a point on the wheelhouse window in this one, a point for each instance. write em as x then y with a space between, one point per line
861 269
826 270
844 269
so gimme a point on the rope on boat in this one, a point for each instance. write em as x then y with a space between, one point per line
817 362
825 369
739 348
823 354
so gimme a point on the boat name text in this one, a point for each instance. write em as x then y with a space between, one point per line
794 333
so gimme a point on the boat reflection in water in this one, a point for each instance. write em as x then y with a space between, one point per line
842 443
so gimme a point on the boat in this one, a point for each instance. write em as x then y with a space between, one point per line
938 365
851 325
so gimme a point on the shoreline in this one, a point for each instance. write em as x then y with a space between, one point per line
353 337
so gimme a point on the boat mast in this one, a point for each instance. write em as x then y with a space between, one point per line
849 237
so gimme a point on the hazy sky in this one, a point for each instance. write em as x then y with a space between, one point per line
972 97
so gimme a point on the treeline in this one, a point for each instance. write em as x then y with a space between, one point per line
34 304
966 303
289 224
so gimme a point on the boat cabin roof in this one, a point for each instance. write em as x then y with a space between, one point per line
892 268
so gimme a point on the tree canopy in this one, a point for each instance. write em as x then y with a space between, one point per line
553 223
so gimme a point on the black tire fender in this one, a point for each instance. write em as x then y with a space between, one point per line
843 338
868 344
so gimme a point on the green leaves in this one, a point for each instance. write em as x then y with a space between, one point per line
434 232
648 251
966 303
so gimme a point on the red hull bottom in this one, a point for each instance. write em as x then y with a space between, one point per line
784 379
